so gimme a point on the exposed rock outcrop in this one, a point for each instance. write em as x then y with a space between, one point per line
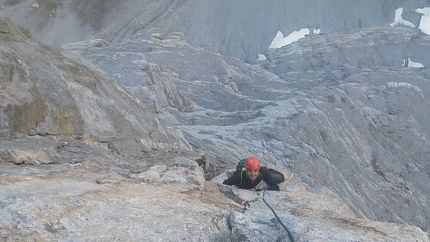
44 93
85 157
325 109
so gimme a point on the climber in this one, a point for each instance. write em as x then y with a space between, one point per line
251 175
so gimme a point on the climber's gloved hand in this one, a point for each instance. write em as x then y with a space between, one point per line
246 204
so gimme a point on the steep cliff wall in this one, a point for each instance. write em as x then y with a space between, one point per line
344 110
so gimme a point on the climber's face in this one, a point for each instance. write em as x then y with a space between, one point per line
252 173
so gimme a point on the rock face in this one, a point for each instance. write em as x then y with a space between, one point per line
116 137
239 29
308 217
84 201
44 93
325 124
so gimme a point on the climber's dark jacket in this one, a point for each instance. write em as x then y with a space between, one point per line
240 178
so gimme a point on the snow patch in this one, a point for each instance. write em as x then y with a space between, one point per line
280 41
412 64
398 19
261 57
424 25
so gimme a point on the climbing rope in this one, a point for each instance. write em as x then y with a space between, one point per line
279 220
247 204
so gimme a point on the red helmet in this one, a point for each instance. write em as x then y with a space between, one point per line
252 163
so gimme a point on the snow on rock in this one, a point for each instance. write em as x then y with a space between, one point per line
280 41
398 19
424 25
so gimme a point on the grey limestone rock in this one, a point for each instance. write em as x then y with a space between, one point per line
102 137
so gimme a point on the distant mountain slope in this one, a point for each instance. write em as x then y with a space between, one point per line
242 29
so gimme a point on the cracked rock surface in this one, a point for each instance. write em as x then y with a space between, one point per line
122 128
